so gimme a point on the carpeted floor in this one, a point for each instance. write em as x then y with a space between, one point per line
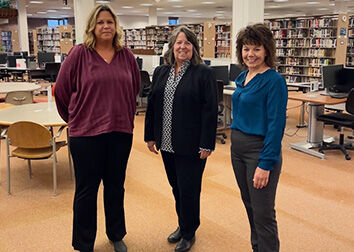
315 202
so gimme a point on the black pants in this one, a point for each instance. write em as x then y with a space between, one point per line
184 174
259 203
103 157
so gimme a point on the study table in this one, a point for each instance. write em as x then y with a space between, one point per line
316 103
6 87
43 113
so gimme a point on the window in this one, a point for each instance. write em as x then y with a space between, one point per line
173 21
56 22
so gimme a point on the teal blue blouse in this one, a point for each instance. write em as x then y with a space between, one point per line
259 108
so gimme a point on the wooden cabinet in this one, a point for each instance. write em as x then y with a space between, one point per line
66 38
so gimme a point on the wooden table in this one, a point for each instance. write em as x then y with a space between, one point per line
6 87
316 103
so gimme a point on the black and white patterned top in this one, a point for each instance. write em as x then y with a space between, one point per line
171 85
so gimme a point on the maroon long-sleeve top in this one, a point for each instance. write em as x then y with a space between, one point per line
95 97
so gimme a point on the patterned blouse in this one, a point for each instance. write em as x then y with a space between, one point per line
171 85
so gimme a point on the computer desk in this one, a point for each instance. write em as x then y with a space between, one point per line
316 103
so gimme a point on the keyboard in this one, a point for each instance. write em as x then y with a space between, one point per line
338 95
230 88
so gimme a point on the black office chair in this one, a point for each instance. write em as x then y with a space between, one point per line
221 136
51 70
145 89
342 120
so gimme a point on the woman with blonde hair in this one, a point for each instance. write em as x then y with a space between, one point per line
95 94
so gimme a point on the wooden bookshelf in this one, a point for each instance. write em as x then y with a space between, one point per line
306 44
154 37
135 38
350 45
223 41
48 39
32 37
6 40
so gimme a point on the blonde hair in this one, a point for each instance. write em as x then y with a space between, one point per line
89 36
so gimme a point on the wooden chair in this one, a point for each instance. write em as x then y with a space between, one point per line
33 141
19 97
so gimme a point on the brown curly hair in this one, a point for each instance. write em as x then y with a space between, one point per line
257 34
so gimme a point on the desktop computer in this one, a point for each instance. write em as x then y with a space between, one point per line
337 80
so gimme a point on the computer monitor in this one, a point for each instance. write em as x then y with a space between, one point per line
207 62
234 71
221 73
23 54
11 60
3 58
329 76
140 63
44 57
344 80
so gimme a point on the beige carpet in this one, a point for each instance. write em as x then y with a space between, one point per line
315 203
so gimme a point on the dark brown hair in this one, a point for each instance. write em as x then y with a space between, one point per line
169 56
257 34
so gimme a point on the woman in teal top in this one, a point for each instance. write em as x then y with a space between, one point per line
259 113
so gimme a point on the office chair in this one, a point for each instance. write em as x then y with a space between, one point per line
19 97
33 141
140 63
221 136
342 120
145 89
51 69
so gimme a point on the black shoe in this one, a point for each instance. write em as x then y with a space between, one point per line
119 246
175 236
185 245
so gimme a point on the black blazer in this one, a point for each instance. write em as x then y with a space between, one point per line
194 110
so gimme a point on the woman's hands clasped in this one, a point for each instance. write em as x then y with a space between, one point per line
151 146
204 154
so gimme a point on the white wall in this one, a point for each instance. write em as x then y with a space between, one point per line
130 22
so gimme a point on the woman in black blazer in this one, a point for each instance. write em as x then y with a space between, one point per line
181 122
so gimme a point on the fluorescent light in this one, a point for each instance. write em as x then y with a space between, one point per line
208 2
29 14
127 7
280 1
103 2
312 3
159 9
41 12
322 9
191 10
220 11
174 0
168 13
36 2
51 11
66 8
177 6
146 4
